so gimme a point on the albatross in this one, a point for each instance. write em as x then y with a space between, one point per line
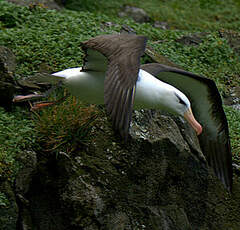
112 74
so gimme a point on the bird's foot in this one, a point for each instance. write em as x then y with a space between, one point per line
21 98
41 104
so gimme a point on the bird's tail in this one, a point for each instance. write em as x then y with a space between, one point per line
39 80
46 78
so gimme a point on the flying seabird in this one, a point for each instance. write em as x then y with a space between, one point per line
112 74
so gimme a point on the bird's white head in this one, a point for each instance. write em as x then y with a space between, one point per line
181 105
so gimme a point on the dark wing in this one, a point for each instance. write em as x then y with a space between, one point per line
123 54
207 108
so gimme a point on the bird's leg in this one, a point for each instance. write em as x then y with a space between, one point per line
41 104
21 98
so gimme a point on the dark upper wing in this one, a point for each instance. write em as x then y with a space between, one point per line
207 108
123 54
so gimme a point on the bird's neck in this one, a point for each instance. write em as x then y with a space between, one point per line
151 92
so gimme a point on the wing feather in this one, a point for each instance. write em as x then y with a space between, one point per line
123 54
207 108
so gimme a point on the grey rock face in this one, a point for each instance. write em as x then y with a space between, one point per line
193 40
9 209
233 99
137 14
7 83
159 179
161 25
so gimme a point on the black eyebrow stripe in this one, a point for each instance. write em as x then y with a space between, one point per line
181 101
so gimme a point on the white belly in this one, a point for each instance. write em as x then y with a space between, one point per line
89 87
150 92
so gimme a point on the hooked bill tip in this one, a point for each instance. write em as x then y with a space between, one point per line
188 115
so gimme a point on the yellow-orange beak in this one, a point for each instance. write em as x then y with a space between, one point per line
188 115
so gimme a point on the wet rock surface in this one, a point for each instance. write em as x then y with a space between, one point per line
158 180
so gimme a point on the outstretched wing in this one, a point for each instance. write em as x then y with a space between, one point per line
207 108
121 62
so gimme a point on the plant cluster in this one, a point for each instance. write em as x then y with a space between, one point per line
65 126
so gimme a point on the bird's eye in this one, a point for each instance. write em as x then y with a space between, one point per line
180 100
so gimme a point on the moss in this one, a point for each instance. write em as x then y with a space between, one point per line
8 207
16 135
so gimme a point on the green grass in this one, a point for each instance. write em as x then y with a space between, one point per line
3 200
199 15
42 36
16 135
213 58
233 117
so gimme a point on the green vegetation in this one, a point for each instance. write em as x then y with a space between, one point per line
65 126
3 200
200 15
233 117
16 135
212 58
41 37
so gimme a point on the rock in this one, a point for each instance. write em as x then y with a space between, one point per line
127 29
236 168
22 184
9 87
35 82
25 174
8 207
168 217
192 40
156 57
159 179
7 83
8 61
233 38
233 99
137 14
161 25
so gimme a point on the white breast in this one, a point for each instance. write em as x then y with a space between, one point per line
89 87
151 92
